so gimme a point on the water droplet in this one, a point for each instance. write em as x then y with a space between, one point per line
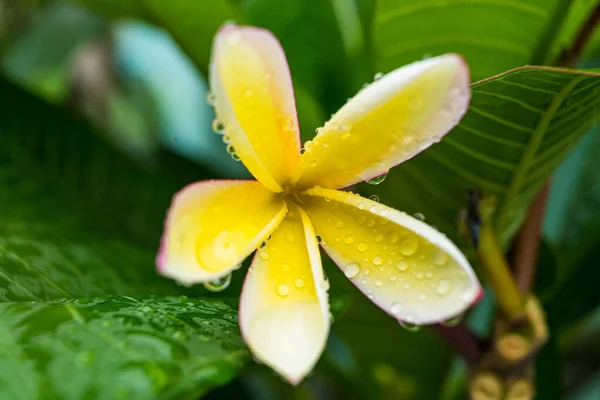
374 197
396 308
361 219
378 238
319 240
422 297
402 266
409 326
218 285
362 247
263 255
299 283
283 290
378 283
419 275
443 287
453 321
345 136
351 270
407 285
440 258
393 237
180 335
286 268
263 245
378 76
361 206
393 278
420 216
210 98
409 245
367 271
225 139
339 224
377 180
370 223
302 150
377 260
218 126
288 124
349 240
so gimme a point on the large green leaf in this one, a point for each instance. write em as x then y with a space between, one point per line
79 221
493 35
192 23
117 348
518 128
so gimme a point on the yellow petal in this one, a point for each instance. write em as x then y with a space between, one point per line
403 265
254 99
284 314
212 226
390 121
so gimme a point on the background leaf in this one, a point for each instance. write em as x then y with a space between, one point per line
117 348
518 128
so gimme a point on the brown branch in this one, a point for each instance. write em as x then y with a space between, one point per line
462 340
569 57
527 243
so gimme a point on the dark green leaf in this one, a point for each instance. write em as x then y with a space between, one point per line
117 348
492 35
518 128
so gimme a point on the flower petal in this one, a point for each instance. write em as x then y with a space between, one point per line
390 121
254 98
284 314
212 226
403 265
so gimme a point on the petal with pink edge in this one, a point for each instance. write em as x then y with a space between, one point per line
409 269
212 226
284 314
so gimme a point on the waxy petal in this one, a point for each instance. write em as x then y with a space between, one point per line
389 121
212 226
403 265
284 314
254 99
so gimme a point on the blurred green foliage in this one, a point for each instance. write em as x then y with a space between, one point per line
103 118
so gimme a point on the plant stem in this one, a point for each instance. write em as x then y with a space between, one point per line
527 243
569 57
463 340
498 273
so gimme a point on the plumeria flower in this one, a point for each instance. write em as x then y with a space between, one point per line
407 268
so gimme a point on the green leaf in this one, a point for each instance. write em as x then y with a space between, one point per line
518 128
492 35
192 24
117 348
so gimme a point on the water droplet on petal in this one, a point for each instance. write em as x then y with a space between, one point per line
377 180
349 240
263 255
362 247
351 270
283 290
420 216
396 308
378 283
286 268
422 297
319 240
393 237
453 321
299 283
218 285
377 260
378 76
440 258
409 326
402 266
339 224
345 136
409 245
443 287
378 238
218 126
210 98
374 197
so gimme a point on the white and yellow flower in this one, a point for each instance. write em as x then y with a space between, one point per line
403 265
